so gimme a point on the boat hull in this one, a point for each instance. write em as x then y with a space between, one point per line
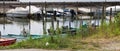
24 37
7 41
16 15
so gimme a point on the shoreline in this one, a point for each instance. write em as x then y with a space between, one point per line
32 50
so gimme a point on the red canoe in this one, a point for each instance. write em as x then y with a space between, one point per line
7 41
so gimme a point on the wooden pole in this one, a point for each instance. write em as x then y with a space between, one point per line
110 15
45 12
58 23
77 15
0 34
4 15
44 21
52 17
90 13
29 17
98 16
52 22
58 31
103 14
63 13
22 21
115 9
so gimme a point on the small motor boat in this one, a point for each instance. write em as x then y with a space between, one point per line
7 41
24 37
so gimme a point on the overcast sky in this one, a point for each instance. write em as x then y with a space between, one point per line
64 0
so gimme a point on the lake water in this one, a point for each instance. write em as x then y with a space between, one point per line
36 26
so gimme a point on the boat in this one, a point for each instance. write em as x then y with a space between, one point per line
7 41
17 12
84 17
21 38
24 37
84 10
67 13
51 13
114 8
20 12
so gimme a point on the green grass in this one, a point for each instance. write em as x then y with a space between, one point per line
58 43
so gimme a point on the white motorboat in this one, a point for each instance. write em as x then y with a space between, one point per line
84 10
17 12
114 8
22 12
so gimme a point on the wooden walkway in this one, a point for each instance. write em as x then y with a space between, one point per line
71 4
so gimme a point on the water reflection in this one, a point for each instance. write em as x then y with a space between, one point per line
36 26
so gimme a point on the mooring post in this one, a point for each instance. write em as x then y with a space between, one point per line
89 24
22 22
58 31
115 10
29 17
70 23
4 15
44 21
52 28
103 14
52 22
45 12
0 34
77 5
96 18
98 15
90 14
58 23
63 13
54 13
110 15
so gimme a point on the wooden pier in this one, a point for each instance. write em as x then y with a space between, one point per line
9 5
70 4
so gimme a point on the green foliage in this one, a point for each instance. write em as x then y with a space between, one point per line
109 30
58 30
117 19
30 43
52 30
117 25
83 31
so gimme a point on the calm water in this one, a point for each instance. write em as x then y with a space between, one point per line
36 26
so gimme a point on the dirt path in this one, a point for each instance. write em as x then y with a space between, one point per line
112 46
31 50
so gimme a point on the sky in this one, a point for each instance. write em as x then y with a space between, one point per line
65 0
